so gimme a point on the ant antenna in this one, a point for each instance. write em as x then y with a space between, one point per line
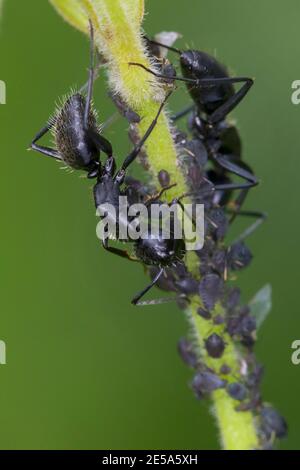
91 73
156 43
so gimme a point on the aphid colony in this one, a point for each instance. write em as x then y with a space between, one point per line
210 157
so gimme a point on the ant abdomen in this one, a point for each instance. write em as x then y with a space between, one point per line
73 138
74 126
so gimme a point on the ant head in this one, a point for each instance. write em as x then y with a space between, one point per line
195 64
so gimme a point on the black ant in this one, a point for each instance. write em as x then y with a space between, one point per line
79 144
155 249
214 98
77 136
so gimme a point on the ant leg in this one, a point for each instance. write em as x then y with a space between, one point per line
220 113
260 218
97 67
198 82
218 187
132 156
178 201
236 205
233 186
182 113
239 201
163 300
236 169
49 152
101 143
117 251
91 79
136 299
157 196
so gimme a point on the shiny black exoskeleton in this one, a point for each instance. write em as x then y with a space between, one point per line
77 137
214 97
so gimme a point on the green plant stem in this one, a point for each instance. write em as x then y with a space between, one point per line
237 429
117 26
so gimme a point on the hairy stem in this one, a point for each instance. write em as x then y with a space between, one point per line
237 429
117 26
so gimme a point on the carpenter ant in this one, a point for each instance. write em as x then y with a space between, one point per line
77 136
153 250
214 98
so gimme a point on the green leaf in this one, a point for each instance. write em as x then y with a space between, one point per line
261 304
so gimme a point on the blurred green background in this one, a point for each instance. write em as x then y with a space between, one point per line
85 369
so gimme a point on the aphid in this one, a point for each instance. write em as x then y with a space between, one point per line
197 149
252 381
247 329
177 279
211 289
237 391
254 378
254 403
205 382
218 319
233 298
219 262
238 256
204 313
243 325
187 285
77 136
247 325
164 178
225 369
128 113
273 424
214 346
187 353
220 221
